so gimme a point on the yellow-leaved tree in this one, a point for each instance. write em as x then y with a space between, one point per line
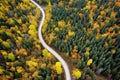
62 23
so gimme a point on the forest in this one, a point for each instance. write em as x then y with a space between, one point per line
85 33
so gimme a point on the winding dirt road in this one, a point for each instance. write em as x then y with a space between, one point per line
64 64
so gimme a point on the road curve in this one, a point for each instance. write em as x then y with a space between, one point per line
64 64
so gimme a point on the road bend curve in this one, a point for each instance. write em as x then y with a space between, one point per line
64 64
